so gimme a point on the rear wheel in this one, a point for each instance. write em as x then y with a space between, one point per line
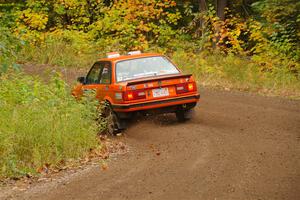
113 123
184 115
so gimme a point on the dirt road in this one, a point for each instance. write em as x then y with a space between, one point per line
238 146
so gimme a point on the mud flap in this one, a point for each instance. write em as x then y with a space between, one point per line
184 115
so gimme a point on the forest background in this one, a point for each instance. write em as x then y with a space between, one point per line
246 44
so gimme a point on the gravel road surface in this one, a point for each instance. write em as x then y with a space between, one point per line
238 146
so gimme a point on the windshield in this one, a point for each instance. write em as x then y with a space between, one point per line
144 67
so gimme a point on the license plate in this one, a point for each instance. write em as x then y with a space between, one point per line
162 92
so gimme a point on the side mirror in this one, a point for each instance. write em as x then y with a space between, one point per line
81 79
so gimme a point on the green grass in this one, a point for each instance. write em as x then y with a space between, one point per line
41 124
63 51
241 73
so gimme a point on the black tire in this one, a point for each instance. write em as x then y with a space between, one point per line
184 115
113 125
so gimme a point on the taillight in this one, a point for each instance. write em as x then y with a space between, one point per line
134 95
129 96
191 87
185 87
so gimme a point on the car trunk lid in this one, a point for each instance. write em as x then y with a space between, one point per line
158 87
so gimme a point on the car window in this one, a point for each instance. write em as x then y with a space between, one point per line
105 77
100 73
144 67
93 75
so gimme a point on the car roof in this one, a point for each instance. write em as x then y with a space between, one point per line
128 57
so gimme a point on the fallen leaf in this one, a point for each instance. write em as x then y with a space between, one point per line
104 167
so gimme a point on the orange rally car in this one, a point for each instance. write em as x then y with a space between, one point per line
139 82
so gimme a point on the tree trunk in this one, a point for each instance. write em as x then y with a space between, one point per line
221 5
202 5
201 23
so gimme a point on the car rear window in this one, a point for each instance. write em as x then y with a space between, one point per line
144 67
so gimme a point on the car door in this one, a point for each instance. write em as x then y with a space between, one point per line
99 79
93 77
104 88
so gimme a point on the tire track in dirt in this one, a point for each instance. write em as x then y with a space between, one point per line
238 146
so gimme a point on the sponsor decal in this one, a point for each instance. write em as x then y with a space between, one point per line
132 87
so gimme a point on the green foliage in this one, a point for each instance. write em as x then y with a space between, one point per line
133 24
8 13
74 33
281 25
130 24
71 14
62 48
41 124
9 47
230 71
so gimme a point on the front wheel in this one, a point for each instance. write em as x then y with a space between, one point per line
184 115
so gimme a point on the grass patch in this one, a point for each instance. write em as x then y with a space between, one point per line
242 73
65 49
42 124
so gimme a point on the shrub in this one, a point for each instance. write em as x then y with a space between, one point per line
9 48
62 48
231 71
41 124
132 24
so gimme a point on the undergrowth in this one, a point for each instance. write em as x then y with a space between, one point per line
242 73
65 49
42 124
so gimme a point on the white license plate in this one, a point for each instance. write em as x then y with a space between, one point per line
162 92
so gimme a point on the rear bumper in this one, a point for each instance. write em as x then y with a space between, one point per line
156 104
